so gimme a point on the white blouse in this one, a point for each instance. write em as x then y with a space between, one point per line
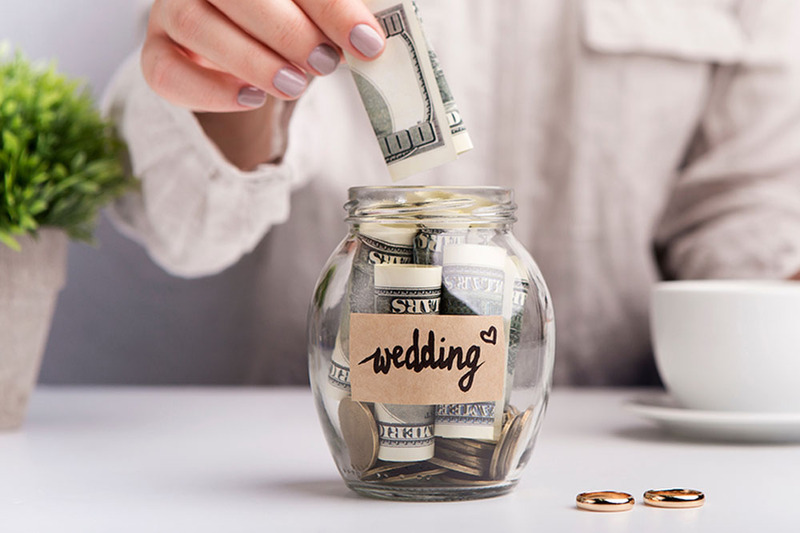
643 138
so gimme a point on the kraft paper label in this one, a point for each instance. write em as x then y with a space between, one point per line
427 359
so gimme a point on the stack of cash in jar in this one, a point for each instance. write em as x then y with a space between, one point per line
401 269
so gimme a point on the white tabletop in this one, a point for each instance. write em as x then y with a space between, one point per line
228 460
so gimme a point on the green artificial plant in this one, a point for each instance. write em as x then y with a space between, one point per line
60 162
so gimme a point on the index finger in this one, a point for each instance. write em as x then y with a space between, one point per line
348 23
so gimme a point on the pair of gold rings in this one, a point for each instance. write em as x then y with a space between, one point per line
613 501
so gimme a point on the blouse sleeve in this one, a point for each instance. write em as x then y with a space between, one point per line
735 212
194 212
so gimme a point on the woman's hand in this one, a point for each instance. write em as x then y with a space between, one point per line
229 55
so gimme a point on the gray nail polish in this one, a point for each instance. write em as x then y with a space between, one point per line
290 82
366 40
324 59
251 97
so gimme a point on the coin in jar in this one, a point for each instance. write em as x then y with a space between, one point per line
382 469
360 433
422 475
510 413
521 449
500 447
466 446
456 467
462 458
510 450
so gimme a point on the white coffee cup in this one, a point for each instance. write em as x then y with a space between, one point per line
729 345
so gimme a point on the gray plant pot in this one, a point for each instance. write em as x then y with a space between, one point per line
30 281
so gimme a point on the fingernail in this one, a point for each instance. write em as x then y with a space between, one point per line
290 82
324 59
251 97
366 40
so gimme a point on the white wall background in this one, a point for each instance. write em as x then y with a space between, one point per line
120 318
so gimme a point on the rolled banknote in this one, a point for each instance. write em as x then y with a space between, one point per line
408 289
473 280
339 371
337 386
378 244
375 244
406 95
429 244
517 287
405 432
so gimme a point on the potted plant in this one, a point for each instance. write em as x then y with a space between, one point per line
59 164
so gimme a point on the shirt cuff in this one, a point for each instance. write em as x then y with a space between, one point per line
751 245
196 213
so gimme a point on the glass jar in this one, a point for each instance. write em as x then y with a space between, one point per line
431 344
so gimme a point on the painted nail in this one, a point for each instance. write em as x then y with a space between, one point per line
290 82
324 59
366 40
251 97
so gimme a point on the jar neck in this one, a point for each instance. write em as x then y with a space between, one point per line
478 207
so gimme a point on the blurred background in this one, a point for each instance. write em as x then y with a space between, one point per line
120 319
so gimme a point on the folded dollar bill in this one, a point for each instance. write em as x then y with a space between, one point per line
407 97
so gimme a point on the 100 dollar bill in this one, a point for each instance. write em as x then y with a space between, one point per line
473 281
405 432
407 98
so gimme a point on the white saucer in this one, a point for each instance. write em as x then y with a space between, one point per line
717 425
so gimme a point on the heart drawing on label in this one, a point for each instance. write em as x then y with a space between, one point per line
489 336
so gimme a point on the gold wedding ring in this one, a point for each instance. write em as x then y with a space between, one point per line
604 501
674 498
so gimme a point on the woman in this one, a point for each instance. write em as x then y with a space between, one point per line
643 140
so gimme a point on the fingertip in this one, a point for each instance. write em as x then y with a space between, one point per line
290 81
367 40
324 59
251 97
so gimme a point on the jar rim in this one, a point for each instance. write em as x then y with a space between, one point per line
466 188
419 204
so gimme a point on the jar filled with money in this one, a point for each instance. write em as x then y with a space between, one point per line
431 342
